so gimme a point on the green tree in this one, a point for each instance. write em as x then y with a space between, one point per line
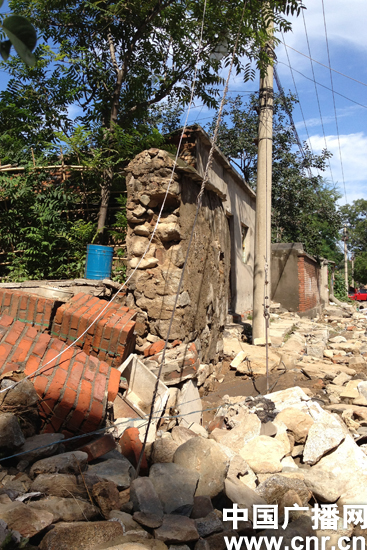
303 204
355 218
114 60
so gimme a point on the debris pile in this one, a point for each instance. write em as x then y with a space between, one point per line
299 446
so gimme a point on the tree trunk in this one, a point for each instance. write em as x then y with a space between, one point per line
105 198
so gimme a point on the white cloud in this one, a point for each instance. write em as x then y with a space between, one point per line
353 152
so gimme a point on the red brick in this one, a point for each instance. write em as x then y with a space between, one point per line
75 375
14 333
107 332
99 387
56 345
57 383
113 384
103 368
5 350
66 357
40 382
22 349
117 333
127 332
91 315
14 305
69 398
94 418
154 348
131 448
87 343
6 320
90 371
41 345
32 332
23 303
7 299
99 447
31 308
90 305
82 406
47 313
32 365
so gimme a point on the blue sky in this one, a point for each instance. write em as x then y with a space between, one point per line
346 22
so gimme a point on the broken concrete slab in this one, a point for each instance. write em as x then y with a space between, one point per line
189 404
139 395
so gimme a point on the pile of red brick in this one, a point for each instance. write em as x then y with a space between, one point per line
74 389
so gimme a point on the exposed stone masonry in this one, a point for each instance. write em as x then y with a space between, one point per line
203 300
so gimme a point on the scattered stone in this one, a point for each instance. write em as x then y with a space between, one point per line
25 520
176 529
248 427
60 485
202 507
144 496
65 509
11 436
175 487
324 485
40 446
263 454
164 449
243 496
106 495
207 458
81 535
180 435
208 525
125 520
341 379
275 487
66 463
148 520
120 471
297 422
324 435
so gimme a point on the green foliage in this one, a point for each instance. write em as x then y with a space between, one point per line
40 231
21 35
303 206
339 287
355 217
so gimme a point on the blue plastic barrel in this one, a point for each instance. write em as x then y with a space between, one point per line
99 261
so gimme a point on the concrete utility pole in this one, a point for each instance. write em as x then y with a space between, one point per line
263 206
346 259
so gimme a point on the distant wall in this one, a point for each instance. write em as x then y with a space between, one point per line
298 281
203 301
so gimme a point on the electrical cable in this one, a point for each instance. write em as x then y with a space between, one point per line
40 369
199 202
297 94
317 94
322 85
326 67
336 117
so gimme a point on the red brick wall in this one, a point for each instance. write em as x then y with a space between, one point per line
308 279
74 389
27 308
111 338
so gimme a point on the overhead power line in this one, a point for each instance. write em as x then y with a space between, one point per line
332 89
322 85
317 93
297 95
326 66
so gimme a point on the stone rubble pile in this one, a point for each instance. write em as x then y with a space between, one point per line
298 446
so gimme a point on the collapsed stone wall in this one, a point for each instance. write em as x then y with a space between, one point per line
203 301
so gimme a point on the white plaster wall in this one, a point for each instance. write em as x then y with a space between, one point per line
240 203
